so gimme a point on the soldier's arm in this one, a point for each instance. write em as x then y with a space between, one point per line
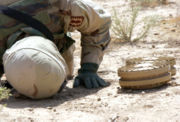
93 22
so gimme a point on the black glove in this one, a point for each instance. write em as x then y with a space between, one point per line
88 77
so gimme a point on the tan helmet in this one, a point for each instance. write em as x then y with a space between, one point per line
34 67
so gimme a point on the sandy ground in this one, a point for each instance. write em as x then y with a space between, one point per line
112 104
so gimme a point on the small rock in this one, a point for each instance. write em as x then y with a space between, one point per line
30 109
118 88
114 118
167 94
50 108
143 92
156 33
106 104
170 15
174 84
119 91
99 99
30 119
148 106
126 119
109 94
173 30
16 95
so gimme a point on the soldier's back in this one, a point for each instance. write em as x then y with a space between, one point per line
7 2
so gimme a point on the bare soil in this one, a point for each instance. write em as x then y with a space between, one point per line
112 104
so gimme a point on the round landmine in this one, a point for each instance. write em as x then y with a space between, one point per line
143 70
165 59
146 83
132 61
173 71
170 60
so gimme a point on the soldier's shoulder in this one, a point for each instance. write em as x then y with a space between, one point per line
66 4
7 2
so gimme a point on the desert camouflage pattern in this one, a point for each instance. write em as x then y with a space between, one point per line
92 21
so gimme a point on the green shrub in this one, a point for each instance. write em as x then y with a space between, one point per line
4 93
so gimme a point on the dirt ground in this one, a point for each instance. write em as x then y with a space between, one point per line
112 104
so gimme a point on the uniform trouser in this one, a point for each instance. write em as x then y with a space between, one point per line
68 56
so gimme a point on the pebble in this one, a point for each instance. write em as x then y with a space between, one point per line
109 94
50 108
99 99
156 33
30 109
143 92
173 30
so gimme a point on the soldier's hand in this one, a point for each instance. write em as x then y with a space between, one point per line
88 77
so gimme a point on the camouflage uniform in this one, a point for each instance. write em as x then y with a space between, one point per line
59 16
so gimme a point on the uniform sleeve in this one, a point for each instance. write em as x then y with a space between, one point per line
93 22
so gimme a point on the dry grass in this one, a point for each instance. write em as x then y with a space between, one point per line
151 3
128 27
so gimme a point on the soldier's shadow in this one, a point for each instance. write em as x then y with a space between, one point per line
67 94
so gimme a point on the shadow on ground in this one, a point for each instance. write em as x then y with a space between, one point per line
67 94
